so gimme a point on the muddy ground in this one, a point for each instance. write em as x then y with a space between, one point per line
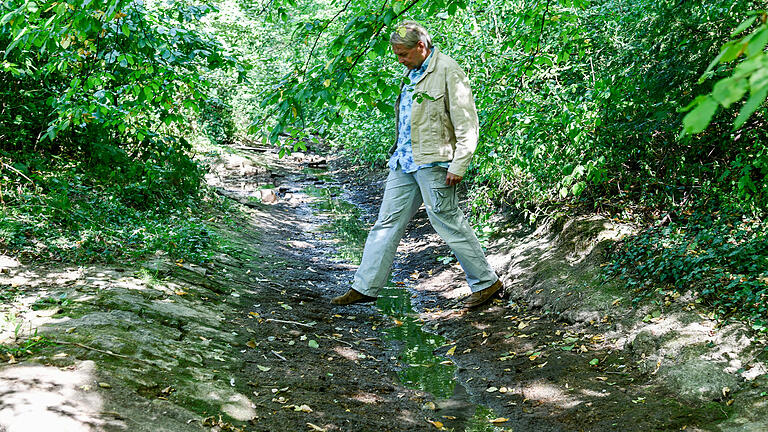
250 342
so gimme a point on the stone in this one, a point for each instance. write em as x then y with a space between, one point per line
699 380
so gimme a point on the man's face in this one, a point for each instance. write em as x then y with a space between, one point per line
411 57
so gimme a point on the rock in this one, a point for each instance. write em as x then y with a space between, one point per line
699 380
644 344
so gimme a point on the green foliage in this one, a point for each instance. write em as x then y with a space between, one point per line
66 214
27 347
750 75
580 103
721 256
97 99
50 302
110 65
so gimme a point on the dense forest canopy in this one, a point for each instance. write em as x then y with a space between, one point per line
650 111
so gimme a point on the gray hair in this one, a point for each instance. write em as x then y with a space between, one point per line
409 33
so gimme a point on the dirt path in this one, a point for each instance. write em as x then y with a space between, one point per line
250 342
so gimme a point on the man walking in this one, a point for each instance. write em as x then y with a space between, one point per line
437 131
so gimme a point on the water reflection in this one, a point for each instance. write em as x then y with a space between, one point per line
422 369
346 224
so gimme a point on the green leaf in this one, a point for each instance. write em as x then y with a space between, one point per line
729 90
731 51
313 344
756 98
578 188
757 43
594 362
698 119
743 26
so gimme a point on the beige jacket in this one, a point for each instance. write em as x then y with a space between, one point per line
444 123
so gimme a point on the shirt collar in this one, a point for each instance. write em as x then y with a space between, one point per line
420 70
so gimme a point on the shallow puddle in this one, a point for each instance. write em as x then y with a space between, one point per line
345 224
419 368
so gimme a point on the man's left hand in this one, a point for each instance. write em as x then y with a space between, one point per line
452 179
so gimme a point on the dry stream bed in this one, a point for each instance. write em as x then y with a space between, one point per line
250 342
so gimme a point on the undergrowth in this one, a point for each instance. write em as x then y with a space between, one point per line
720 256
67 213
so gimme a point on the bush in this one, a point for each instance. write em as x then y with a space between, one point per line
721 256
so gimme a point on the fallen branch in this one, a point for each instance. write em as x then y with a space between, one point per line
102 351
288 322
279 356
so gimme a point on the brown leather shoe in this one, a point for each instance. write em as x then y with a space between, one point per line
482 297
351 297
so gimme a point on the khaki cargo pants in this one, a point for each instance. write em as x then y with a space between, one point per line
403 195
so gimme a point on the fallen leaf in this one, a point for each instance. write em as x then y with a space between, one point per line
105 385
499 420
522 325
503 390
254 314
430 406
303 408
451 351
316 427
263 368
313 344
251 344
594 362
491 389
435 423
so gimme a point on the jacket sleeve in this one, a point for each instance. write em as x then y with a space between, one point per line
463 114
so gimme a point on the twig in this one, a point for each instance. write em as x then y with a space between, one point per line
102 351
317 39
288 322
342 341
279 356
3 164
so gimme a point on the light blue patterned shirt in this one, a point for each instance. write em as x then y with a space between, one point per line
403 154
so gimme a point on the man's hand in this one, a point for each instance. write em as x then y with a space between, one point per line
452 179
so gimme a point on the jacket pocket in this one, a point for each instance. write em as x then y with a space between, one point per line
430 121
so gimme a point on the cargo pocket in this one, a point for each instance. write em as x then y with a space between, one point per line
444 199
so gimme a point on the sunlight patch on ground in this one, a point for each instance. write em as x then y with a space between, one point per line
549 394
45 398
367 398
348 353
